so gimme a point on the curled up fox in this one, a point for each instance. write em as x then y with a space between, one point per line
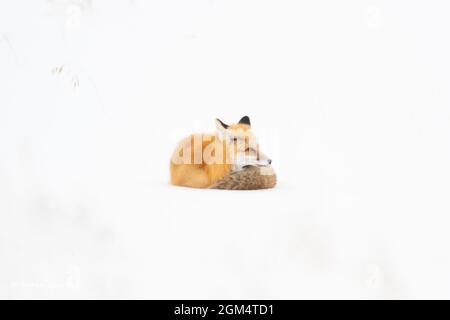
221 160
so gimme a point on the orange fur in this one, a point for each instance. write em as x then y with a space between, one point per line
202 160
199 175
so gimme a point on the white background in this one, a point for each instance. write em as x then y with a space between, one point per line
349 98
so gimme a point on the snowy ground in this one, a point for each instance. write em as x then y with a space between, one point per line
350 99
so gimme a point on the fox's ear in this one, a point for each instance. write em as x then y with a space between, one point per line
245 120
220 125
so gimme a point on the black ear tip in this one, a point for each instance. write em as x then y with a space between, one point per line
223 124
245 120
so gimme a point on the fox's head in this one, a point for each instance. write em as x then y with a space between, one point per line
241 144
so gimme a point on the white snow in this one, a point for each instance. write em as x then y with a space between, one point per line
350 99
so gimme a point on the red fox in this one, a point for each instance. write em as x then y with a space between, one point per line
201 160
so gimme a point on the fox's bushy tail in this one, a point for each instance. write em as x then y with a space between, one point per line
250 178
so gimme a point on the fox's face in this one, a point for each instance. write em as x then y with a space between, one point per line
241 144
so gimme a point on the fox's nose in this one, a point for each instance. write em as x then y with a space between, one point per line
270 161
